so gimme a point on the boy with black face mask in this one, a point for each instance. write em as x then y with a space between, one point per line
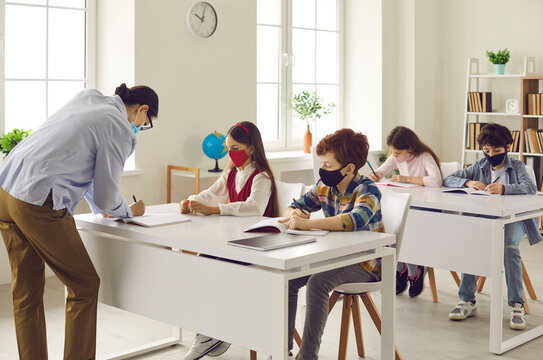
497 173
350 202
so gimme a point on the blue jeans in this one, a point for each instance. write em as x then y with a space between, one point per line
513 268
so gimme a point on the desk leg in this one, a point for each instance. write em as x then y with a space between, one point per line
496 297
175 339
388 297
280 309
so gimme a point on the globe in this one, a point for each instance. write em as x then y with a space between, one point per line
215 148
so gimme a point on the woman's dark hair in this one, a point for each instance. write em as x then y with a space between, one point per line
495 135
254 138
347 146
139 95
403 138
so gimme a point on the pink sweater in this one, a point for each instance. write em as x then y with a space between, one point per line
421 166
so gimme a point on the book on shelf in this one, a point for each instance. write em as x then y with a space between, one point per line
534 139
527 148
535 104
473 132
515 136
479 101
471 136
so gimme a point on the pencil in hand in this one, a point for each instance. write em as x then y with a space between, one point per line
373 171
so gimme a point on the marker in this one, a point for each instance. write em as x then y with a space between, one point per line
498 178
373 171
298 206
134 197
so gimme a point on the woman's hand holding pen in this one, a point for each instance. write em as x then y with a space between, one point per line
138 207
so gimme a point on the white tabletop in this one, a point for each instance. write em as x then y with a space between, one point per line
210 234
498 205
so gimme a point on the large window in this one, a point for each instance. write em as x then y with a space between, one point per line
45 58
299 47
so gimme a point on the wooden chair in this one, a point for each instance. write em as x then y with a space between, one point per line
196 172
394 207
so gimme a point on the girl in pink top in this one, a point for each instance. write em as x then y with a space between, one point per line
417 164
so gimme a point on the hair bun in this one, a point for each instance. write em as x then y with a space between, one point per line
123 92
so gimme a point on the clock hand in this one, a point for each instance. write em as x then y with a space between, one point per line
201 19
204 13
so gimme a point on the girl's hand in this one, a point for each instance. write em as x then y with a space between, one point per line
138 208
296 222
495 188
198 207
475 185
184 206
399 178
375 178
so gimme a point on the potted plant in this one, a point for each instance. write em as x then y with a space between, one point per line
11 139
309 107
499 60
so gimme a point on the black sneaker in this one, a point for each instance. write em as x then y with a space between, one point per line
416 283
401 280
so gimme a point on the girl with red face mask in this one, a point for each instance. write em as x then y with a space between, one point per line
246 187
417 164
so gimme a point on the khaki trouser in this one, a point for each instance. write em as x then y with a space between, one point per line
35 235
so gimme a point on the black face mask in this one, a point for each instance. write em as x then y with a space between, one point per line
331 177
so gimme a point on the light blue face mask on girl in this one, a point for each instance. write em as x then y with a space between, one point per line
136 128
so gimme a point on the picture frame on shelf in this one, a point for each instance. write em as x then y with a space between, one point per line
511 106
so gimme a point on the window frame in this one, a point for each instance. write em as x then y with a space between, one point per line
286 140
90 53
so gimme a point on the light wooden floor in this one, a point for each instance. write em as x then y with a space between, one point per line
422 328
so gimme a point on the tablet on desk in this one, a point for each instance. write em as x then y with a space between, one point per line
272 241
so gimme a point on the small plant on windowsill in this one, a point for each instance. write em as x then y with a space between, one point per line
309 107
499 60
9 140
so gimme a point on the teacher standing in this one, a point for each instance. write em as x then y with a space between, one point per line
78 152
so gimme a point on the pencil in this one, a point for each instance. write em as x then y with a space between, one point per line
298 206
498 178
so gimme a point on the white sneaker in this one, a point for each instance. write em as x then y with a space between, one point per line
204 345
518 317
463 310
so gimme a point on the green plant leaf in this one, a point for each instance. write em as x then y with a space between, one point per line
9 140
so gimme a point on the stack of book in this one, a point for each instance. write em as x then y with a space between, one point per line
474 130
479 101
533 141
534 104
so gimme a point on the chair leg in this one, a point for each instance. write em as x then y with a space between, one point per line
357 323
252 355
376 317
528 282
344 333
526 306
455 277
480 283
432 280
333 299
297 338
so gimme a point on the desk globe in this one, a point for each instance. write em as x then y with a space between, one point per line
214 147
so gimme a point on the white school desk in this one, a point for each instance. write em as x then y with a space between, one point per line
243 305
452 239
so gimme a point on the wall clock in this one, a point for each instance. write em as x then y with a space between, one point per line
202 20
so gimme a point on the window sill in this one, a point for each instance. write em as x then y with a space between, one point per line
275 156
132 172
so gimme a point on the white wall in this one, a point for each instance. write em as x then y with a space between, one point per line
469 28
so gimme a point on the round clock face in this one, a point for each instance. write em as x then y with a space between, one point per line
511 106
202 19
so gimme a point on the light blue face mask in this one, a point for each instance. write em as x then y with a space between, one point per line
136 128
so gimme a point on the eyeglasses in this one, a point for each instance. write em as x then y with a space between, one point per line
147 126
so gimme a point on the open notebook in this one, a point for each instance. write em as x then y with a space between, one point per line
470 191
272 225
385 182
153 220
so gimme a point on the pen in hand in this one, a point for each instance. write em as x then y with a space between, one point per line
498 178
298 206
373 171
134 197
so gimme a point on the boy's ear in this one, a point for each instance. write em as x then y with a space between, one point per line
350 167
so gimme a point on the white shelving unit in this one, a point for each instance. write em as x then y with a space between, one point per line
472 84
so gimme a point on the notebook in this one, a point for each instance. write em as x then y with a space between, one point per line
470 191
153 220
385 182
271 241
272 225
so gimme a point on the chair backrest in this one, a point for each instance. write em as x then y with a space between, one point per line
531 173
448 168
394 208
285 193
